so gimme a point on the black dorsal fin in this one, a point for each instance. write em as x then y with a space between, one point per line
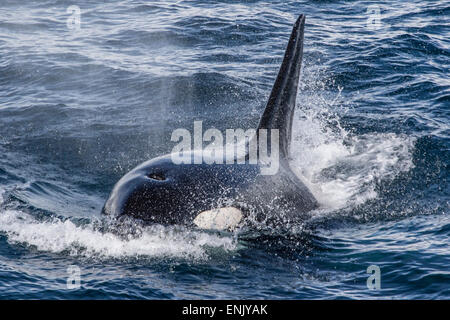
281 105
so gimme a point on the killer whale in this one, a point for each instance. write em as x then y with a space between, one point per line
221 196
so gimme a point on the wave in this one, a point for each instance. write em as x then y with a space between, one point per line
64 236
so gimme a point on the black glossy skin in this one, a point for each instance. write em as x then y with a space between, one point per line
188 189
160 191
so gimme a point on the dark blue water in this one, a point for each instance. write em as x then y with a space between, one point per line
81 107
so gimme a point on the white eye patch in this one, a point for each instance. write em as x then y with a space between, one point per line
219 219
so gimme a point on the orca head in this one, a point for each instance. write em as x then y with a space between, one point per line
160 191
156 191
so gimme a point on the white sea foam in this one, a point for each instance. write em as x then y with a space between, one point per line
60 236
345 174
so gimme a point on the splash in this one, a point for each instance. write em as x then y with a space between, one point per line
339 167
68 237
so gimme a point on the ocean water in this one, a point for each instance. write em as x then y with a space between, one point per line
85 98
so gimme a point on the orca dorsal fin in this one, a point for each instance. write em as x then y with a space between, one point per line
280 107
